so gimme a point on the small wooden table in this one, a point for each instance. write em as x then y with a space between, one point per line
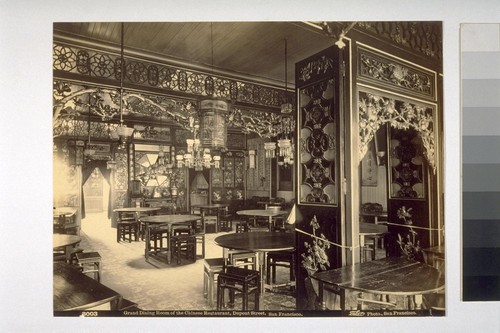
388 276
64 219
167 221
376 216
269 213
74 290
66 242
258 242
208 207
432 253
370 230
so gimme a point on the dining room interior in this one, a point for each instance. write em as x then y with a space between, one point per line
246 168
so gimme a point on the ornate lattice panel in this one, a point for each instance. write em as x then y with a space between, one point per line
317 143
228 182
406 159
99 64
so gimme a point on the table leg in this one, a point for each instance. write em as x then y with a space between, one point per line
270 223
321 295
147 246
169 243
418 302
261 260
361 248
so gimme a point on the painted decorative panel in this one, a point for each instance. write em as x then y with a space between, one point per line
228 182
317 144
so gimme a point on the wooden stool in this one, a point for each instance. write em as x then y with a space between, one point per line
242 226
241 280
211 268
242 258
225 221
90 263
183 243
124 229
157 235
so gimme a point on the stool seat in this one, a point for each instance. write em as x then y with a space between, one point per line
90 263
241 280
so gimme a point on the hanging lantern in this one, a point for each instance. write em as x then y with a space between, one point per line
213 132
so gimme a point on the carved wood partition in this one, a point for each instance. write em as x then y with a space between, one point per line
319 85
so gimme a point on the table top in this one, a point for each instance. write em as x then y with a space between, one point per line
210 206
378 214
257 241
262 212
372 228
169 219
137 209
391 275
74 290
67 211
59 240
435 249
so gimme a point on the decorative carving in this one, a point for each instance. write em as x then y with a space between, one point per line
406 165
70 101
318 66
81 61
422 37
375 110
396 74
317 144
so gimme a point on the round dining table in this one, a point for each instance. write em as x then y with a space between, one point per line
166 221
269 213
65 242
258 242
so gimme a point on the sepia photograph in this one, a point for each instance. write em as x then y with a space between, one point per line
326 201
250 166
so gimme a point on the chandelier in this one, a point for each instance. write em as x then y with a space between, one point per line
198 155
285 146
209 129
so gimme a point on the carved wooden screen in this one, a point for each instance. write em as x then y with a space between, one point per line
318 123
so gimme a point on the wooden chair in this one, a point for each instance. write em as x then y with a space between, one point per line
211 269
243 281
90 262
276 259
183 243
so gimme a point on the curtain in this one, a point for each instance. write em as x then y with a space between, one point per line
88 168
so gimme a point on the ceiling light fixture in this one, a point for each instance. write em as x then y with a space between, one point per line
209 129
124 132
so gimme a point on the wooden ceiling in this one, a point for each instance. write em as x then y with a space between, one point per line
255 49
